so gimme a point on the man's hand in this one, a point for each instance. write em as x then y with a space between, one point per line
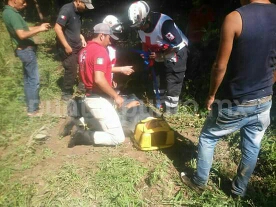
209 102
127 70
23 34
68 50
83 42
119 101
114 84
132 104
152 55
45 27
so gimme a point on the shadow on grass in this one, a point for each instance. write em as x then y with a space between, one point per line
181 153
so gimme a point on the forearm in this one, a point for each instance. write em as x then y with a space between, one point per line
217 75
22 34
106 88
126 70
33 28
61 37
82 37
116 69
120 69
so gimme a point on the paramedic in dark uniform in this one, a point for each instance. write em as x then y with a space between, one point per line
70 41
166 43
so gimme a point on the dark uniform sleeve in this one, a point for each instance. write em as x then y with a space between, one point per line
170 34
63 16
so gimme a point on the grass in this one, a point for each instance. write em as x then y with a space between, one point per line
36 174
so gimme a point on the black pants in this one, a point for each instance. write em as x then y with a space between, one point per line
70 64
173 73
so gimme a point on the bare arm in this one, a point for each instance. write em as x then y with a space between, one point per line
230 29
127 70
62 39
83 42
102 83
22 34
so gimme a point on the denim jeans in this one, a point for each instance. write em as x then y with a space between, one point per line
31 77
252 121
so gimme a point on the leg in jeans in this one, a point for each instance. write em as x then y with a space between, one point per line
70 65
31 77
253 121
214 128
251 136
103 120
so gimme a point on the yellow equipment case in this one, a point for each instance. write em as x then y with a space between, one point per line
153 133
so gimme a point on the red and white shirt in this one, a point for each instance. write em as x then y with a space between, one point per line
156 40
94 57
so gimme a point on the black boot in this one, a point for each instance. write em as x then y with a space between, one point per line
67 126
81 137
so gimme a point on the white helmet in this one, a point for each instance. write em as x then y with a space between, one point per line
137 13
114 23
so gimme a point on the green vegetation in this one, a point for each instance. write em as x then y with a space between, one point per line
50 174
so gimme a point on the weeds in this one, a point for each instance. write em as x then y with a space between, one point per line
116 181
18 195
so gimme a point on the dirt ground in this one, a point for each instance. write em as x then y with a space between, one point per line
181 154
59 146
182 151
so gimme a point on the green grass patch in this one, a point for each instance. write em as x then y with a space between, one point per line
112 183
17 194
116 182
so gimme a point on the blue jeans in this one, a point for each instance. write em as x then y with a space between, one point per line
252 121
31 77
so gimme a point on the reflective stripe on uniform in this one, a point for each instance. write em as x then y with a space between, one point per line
171 101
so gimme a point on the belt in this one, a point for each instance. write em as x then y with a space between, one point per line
25 47
91 94
255 102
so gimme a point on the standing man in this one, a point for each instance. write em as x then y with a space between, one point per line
99 114
21 36
70 41
246 64
166 43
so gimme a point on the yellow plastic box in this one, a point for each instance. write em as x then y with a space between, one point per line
152 134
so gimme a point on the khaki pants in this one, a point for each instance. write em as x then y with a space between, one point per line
103 120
